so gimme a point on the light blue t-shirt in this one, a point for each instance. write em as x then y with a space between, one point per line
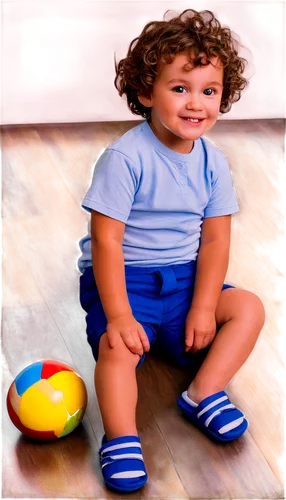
162 196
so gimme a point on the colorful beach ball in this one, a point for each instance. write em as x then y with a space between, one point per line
47 400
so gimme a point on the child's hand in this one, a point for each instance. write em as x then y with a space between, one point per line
200 329
130 331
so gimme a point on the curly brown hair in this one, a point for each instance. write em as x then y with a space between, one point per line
200 35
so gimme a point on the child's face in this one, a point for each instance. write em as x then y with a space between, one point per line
180 93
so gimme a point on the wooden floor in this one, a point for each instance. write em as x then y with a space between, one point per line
46 172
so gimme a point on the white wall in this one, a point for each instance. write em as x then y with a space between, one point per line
57 56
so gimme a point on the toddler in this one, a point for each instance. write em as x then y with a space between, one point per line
155 258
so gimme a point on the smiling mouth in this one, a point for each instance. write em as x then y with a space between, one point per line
192 120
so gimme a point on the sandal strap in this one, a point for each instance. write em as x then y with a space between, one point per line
212 401
122 458
218 413
210 409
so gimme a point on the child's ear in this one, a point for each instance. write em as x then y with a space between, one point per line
147 101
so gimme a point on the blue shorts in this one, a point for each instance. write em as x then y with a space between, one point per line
160 298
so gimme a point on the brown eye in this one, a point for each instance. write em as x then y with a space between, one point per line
209 91
179 89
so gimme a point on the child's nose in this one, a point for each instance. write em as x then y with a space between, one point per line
194 103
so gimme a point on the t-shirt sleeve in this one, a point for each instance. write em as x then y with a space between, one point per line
114 184
223 199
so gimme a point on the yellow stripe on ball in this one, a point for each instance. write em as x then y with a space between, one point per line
73 388
42 408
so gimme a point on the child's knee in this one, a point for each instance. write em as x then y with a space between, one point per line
254 308
119 354
251 309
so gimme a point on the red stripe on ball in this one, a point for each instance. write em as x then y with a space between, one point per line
52 367
46 435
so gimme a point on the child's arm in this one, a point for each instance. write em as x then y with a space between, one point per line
108 267
211 270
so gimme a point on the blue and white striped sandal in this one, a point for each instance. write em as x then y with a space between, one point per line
122 463
215 415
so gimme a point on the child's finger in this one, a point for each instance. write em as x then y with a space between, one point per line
112 336
199 343
144 339
128 339
189 340
133 343
138 349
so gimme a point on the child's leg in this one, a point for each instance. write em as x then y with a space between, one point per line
116 388
240 317
121 457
